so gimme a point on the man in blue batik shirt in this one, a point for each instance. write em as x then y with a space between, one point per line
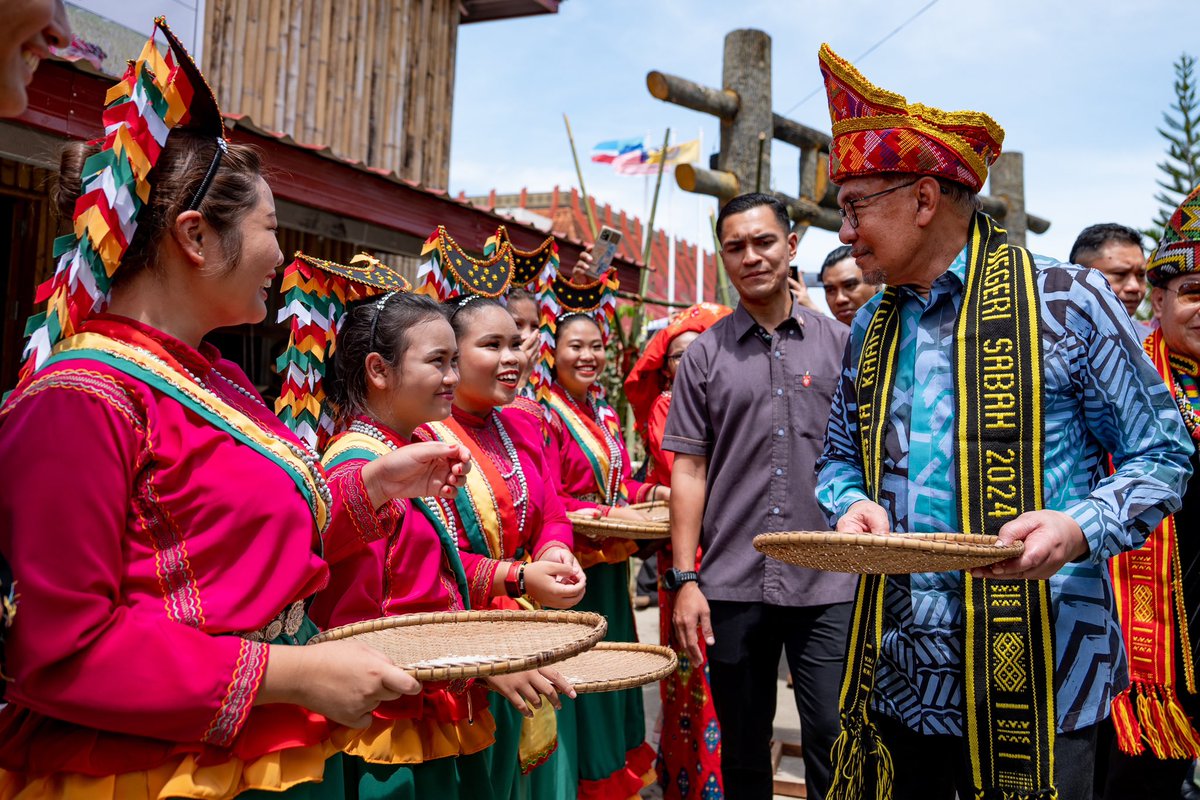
907 217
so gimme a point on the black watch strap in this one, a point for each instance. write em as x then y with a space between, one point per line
674 579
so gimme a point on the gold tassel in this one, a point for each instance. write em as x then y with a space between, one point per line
1181 726
1151 731
849 767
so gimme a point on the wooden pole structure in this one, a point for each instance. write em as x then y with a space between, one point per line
591 215
1007 185
747 60
743 106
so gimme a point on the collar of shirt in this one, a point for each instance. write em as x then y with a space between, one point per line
947 284
744 324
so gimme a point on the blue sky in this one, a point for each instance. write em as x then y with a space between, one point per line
1079 87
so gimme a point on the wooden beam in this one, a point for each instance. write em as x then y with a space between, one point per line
715 183
682 92
801 209
801 136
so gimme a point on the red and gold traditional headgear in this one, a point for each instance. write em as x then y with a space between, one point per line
1179 251
646 380
877 131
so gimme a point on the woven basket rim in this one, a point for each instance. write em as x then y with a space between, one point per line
942 543
605 527
532 660
670 664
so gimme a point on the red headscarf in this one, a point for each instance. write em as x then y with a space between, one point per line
646 381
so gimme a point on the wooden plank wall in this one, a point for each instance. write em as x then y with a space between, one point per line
372 79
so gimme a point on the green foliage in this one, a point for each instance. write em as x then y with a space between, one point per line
1181 169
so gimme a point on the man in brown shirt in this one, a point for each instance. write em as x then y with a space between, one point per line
748 412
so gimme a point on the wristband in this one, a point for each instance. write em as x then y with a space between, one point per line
514 579
521 581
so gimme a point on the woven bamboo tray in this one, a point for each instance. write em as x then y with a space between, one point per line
610 666
454 645
604 528
885 554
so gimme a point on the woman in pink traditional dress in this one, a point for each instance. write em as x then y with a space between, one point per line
689 757
510 510
394 369
588 457
165 528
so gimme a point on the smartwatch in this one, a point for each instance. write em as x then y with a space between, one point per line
674 579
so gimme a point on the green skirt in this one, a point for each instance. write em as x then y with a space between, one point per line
609 724
554 779
457 778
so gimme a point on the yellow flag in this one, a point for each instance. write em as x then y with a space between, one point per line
683 153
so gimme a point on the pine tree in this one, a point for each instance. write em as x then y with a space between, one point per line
1182 165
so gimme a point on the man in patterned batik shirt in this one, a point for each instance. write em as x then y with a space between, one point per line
909 176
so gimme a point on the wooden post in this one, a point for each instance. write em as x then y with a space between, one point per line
1008 185
747 73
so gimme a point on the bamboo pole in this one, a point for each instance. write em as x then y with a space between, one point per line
722 277
268 76
583 189
321 86
762 140
235 97
648 246
297 49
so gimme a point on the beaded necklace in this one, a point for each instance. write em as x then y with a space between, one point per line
521 502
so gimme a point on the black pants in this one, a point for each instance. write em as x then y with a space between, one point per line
935 767
743 668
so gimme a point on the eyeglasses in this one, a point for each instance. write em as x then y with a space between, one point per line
850 210
1188 293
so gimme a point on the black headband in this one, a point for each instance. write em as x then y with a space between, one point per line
202 190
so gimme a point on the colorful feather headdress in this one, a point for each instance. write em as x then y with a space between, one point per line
315 295
533 271
155 96
447 271
560 298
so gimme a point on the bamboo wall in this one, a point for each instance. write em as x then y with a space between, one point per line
372 79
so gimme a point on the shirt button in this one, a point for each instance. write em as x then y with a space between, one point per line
779 432
778 354
779 391
779 470
775 510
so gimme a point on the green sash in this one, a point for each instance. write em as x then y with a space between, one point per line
1008 636
350 446
199 399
